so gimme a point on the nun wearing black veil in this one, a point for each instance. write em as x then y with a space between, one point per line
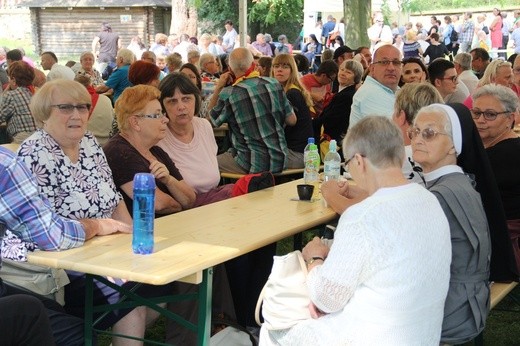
438 137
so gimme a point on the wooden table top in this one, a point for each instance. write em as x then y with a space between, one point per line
188 242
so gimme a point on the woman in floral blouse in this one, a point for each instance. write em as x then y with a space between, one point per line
73 174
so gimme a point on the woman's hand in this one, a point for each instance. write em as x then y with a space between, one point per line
315 248
160 172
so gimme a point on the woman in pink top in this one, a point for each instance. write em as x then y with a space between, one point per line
496 30
190 142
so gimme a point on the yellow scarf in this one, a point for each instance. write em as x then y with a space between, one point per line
250 73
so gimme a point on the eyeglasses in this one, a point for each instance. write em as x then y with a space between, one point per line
427 134
68 109
152 116
452 78
395 63
345 165
488 115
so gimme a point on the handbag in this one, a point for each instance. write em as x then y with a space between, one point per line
284 299
45 281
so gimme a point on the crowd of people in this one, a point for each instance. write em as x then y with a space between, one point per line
420 133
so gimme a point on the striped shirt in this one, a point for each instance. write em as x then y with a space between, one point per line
27 215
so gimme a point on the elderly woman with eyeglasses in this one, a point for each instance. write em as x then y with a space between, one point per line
385 278
142 124
494 111
73 175
438 136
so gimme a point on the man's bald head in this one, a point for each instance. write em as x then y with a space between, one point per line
240 60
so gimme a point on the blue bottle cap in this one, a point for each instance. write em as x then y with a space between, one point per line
144 181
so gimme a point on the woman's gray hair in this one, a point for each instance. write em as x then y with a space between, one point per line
127 55
356 68
505 96
378 139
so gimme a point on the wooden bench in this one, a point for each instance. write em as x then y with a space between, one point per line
284 176
498 291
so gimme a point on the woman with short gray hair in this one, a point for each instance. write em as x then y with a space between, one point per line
360 303
495 108
335 117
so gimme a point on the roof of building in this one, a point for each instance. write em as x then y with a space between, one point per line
94 3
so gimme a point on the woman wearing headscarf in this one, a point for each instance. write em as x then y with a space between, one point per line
437 140
445 144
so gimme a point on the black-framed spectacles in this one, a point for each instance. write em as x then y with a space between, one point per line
68 109
345 165
152 116
427 134
488 115
395 63
452 78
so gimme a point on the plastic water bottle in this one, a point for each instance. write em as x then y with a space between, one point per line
307 148
312 168
332 163
143 213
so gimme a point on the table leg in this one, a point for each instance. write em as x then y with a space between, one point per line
204 320
89 301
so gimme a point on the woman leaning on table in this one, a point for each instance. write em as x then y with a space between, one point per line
494 111
385 278
72 173
142 124
437 140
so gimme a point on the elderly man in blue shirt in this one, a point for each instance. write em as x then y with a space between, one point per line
377 95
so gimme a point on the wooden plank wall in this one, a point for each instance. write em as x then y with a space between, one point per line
68 33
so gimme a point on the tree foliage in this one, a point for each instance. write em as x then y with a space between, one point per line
271 11
273 16
422 5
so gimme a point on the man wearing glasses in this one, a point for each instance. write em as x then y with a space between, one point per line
377 94
443 77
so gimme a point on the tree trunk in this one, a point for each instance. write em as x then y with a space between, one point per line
184 18
359 13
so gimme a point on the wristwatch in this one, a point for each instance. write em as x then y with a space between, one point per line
313 259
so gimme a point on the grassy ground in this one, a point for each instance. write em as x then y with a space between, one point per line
503 327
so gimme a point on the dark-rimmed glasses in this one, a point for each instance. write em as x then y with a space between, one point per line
68 109
427 134
345 165
452 78
488 115
151 116
386 63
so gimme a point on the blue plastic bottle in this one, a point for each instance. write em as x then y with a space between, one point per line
143 213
